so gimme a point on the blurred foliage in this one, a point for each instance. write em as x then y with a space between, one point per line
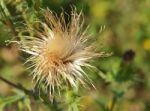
122 80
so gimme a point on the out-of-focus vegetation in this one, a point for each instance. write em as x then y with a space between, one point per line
122 80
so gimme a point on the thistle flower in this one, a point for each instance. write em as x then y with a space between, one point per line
59 51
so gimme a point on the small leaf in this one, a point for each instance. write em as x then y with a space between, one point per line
9 100
27 103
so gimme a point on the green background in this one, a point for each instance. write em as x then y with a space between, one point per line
124 27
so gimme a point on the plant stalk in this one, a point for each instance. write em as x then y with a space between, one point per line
46 101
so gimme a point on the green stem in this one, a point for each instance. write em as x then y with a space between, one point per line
46 101
8 21
20 87
114 100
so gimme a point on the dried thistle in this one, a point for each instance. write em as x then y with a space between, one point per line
59 51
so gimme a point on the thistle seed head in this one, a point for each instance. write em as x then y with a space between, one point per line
59 51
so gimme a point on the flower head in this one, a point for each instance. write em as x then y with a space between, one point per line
59 51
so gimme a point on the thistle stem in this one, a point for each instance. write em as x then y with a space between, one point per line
53 107
20 87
